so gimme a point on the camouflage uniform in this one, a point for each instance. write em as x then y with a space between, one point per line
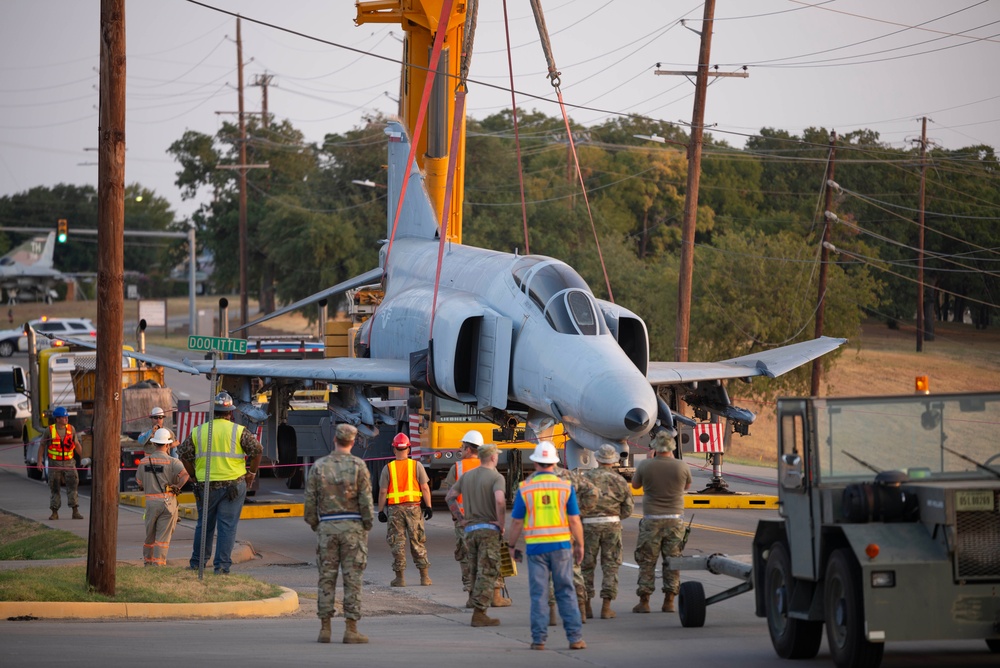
461 551
658 538
614 500
407 520
586 498
339 484
63 473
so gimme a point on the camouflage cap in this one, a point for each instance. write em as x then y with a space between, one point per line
607 454
346 432
662 442
485 451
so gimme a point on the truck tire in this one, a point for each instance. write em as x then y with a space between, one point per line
287 451
994 645
843 611
791 638
691 604
34 473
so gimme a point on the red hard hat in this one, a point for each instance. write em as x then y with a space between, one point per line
401 442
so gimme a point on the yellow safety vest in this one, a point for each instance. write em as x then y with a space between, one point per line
545 497
61 449
403 487
229 462
464 466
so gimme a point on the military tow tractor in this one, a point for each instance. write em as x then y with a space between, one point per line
889 527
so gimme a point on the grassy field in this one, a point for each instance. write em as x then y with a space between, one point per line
879 361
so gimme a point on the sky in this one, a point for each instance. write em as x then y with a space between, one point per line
838 64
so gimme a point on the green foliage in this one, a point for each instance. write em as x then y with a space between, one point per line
46 544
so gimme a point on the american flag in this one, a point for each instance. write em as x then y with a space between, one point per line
415 448
708 437
188 421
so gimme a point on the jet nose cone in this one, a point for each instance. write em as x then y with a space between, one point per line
636 420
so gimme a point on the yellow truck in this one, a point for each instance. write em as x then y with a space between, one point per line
66 376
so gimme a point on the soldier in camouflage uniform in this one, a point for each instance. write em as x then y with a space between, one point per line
663 480
586 498
60 446
340 509
602 529
483 512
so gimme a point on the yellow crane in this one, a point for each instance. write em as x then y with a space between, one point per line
420 22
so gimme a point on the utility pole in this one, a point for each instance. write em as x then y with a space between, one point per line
244 253
920 241
817 366
103 533
693 180
263 80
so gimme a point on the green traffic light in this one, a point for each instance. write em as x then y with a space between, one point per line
61 237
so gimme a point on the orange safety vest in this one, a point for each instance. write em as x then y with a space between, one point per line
403 487
545 497
61 450
464 466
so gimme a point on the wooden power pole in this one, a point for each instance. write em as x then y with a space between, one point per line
817 365
921 325
101 549
244 253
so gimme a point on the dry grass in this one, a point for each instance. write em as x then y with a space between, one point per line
133 584
885 362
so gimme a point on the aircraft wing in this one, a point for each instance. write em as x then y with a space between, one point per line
349 370
768 363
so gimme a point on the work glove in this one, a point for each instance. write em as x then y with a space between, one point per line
382 517
428 512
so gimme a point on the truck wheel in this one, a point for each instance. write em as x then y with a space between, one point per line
994 645
843 610
791 638
6 348
691 605
287 451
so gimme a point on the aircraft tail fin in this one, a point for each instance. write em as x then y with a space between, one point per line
417 219
33 253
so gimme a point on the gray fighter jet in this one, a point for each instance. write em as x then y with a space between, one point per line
508 333
27 272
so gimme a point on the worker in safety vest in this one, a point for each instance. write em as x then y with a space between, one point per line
60 446
546 511
229 476
403 487
161 477
470 460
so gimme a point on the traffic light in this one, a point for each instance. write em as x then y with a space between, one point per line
62 230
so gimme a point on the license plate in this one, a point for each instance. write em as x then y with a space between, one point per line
974 499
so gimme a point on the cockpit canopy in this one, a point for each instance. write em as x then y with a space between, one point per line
562 295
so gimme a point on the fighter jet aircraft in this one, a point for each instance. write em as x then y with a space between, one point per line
27 271
508 332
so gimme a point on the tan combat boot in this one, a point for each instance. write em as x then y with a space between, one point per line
606 611
643 604
470 603
479 618
399 581
54 515
324 630
668 602
425 578
553 615
76 513
590 611
351 635
499 600
579 644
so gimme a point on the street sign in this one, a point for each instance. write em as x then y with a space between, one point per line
218 344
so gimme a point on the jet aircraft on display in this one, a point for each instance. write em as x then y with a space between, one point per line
509 333
27 272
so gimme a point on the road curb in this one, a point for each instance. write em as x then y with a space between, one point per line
287 602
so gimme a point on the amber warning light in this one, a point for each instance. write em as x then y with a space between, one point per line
923 385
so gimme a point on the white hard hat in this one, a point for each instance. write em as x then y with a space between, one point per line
473 438
162 437
156 412
545 453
